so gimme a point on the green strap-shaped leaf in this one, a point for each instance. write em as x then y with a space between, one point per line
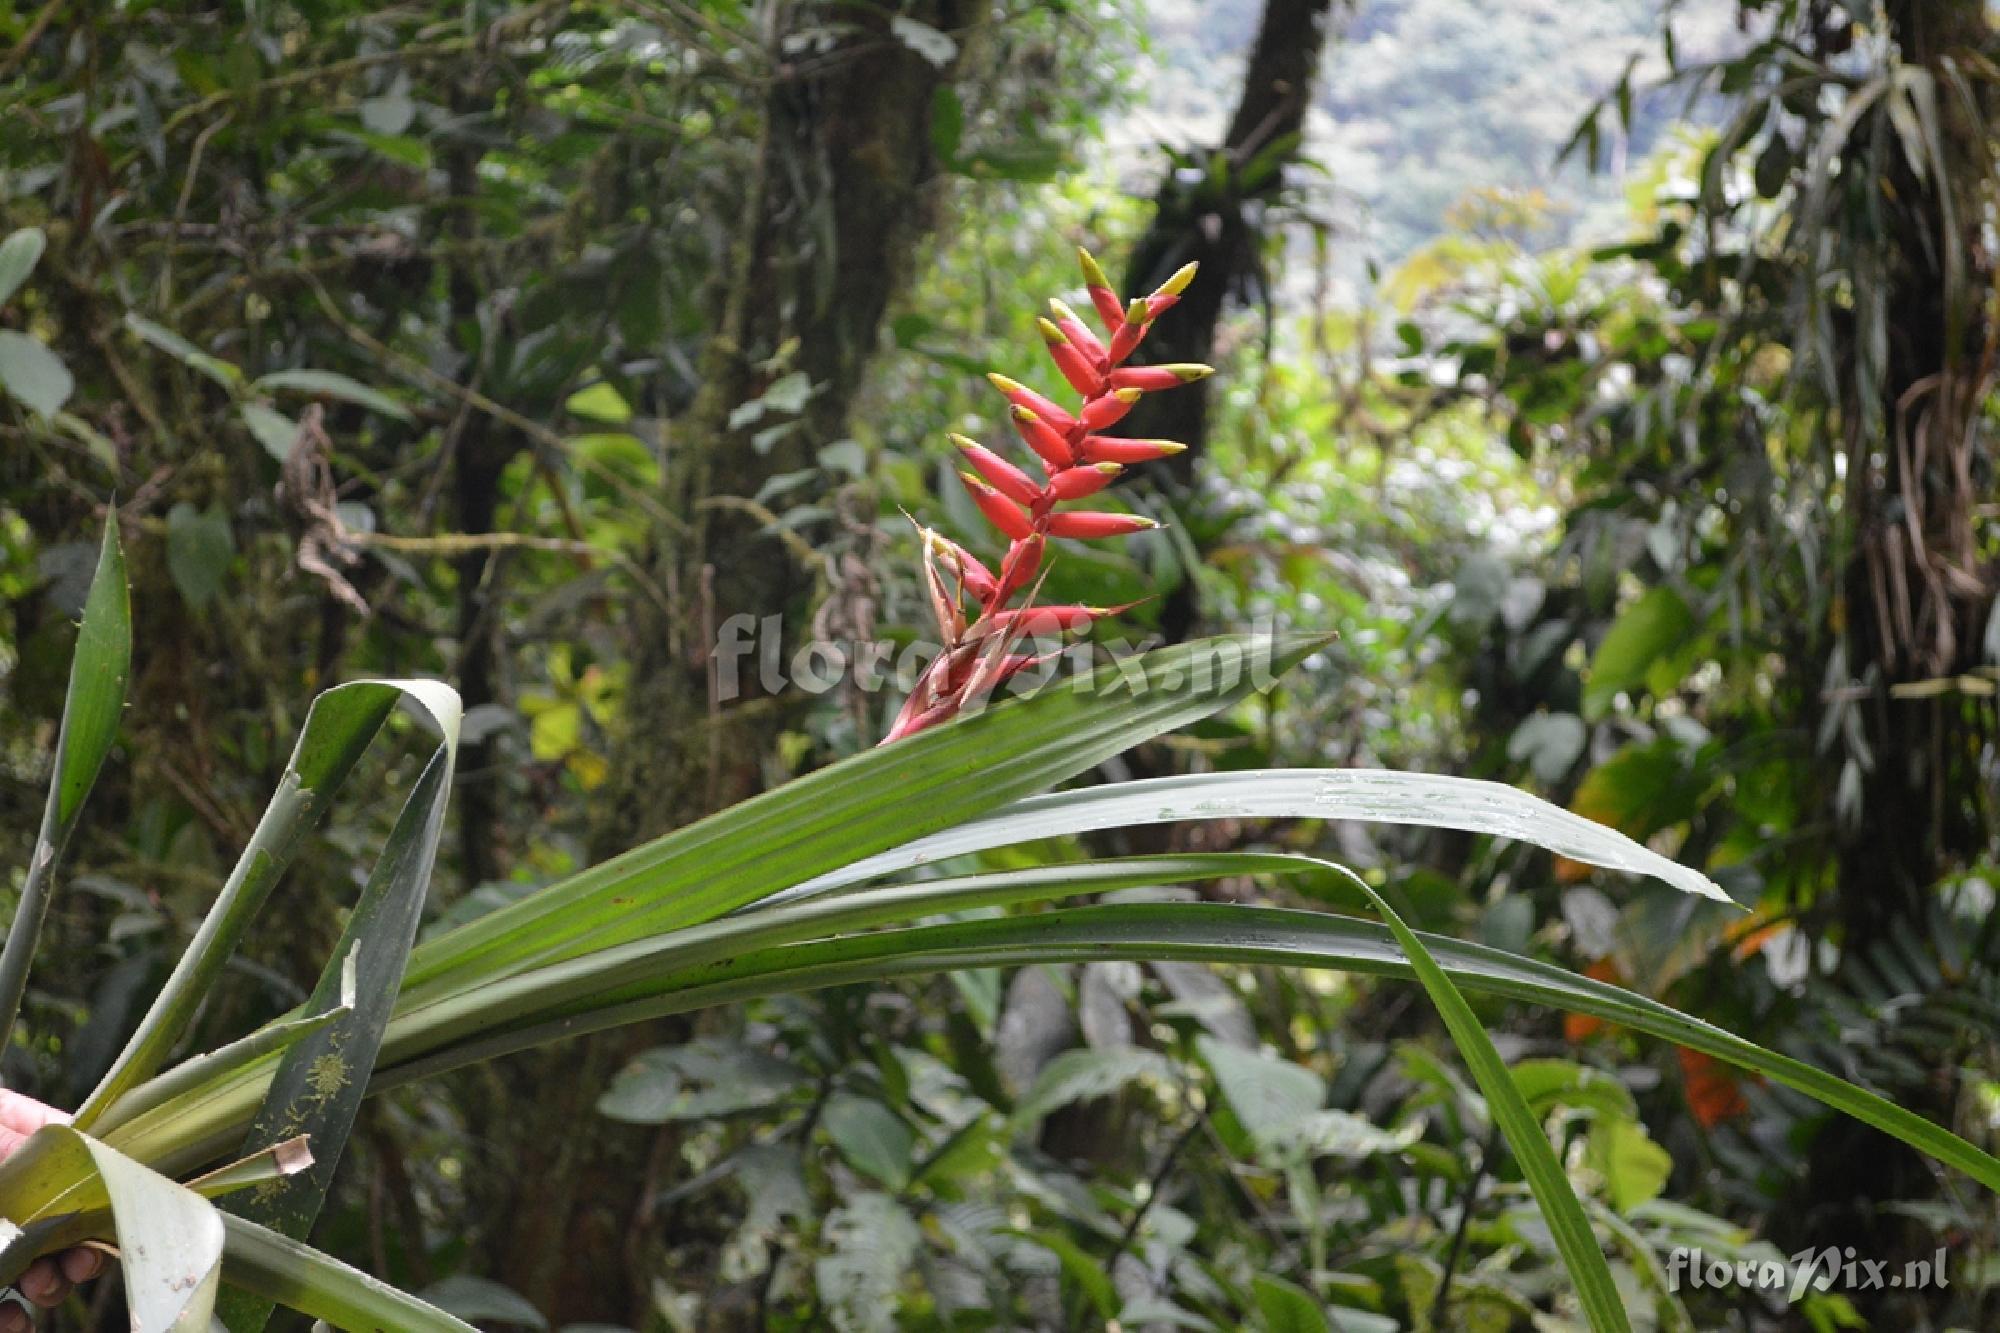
280 1269
582 984
339 727
322 1078
857 807
96 697
61 1187
1564 1215
1201 933
1372 794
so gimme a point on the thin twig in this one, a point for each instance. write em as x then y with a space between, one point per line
1465 1203
29 38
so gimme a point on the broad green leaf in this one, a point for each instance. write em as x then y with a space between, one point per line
91 710
477 1298
1550 744
277 1268
200 548
222 372
61 1187
600 402
1644 632
1085 1072
19 254
1335 1133
870 1242
1287 1307
1547 1084
332 384
1082 1267
872 1138
1635 1169
32 374
705 1078
272 429
1269 1096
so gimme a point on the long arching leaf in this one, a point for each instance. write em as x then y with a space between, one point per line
862 805
1377 795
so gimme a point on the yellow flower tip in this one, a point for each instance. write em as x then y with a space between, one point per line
1061 310
1137 312
1127 395
1002 383
1051 335
1177 284
1020 413
1189 371
1109 469
1149 522
1092 274
973 481
962 441
1168 446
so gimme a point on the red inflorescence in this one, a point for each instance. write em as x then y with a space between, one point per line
980 651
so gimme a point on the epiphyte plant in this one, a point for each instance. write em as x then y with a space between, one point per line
980 651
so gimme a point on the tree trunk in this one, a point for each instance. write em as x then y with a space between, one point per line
1917 597
1917 594
835 208
1214 223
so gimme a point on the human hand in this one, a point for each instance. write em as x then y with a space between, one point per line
49 1279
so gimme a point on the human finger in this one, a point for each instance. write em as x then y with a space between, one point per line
13 1319
81 1264
44 1283
25 1115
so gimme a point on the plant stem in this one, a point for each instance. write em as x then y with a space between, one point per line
1465 1202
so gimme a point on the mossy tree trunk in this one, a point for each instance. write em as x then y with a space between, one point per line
840 198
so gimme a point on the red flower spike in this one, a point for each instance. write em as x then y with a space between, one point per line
1101 294
1087 525
1023 562
975 577
1076 482
1009 480
1108 410
1033 620
981 656
1112 449
1074 365
1078 333
1001 512
1138 318
910 721
1151 378
1047 442
944 604
1020 395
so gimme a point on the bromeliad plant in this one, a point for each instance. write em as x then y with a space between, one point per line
1077 461
821 882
